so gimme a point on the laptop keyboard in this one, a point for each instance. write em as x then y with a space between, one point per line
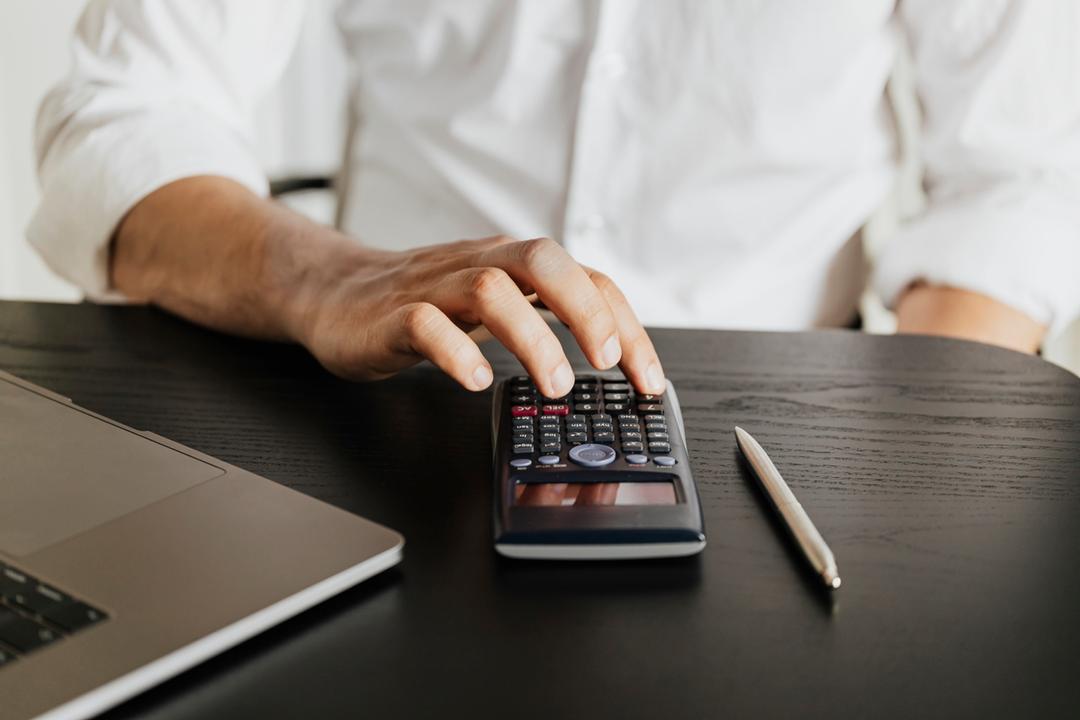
33 614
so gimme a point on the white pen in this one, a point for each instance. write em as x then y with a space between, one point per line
798 522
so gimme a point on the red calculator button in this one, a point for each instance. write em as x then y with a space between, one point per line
523 410
556 409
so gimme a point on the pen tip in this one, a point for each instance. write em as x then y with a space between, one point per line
832 579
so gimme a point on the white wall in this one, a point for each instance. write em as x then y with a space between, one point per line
33 56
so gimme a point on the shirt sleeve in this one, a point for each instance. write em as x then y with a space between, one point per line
1001 151
159 90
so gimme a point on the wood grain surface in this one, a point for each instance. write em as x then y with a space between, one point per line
945 475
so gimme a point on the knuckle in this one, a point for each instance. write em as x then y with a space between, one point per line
596 315
539 344
604 283
539 251
487 283
419 318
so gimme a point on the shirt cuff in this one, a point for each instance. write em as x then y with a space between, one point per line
1018 245
90 182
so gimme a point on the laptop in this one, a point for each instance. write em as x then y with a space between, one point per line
126 558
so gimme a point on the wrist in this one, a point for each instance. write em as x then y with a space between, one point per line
935 310
303 266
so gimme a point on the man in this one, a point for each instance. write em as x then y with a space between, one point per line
715 158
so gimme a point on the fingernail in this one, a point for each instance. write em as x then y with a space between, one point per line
655 377
611 352
482 377
562 379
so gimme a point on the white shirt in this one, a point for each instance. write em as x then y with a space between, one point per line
713 156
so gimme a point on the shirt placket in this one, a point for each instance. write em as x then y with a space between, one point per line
590 222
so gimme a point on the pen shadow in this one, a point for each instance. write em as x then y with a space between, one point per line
824 598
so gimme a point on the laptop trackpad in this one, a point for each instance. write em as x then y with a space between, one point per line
63 472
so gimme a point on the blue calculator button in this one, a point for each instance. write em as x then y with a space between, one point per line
637 459
592 455
548 459
664 460
520 462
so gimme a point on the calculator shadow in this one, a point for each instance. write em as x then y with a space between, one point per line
558 577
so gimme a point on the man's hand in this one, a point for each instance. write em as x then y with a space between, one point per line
208 249
377 312
933 310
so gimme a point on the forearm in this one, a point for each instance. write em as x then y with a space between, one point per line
933 310
208 249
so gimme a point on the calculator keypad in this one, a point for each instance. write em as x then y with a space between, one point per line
598 421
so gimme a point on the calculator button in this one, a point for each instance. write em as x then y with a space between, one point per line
628 435
587 408
616 386
603 437
552 447
591 455
655 427
521 399
615 407
585 397
615 397
556 409
634 459
548 459
523 410
659 447
523 448
664 460
576 437
520 438
628 419
650 408
657 399
632 446
575 427
659 436
520 462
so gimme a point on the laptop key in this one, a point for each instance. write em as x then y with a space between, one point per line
73 615
22 633
38 599
12 581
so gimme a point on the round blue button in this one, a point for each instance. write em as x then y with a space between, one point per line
548 459
664 460
520 462
592 455
637 459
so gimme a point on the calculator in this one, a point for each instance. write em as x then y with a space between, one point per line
602 473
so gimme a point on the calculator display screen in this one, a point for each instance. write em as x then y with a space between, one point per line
578 494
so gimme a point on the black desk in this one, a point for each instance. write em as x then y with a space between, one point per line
946 476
